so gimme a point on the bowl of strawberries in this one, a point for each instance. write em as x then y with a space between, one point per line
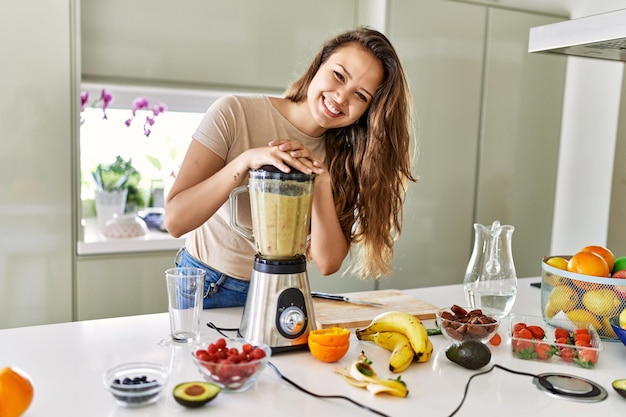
233 364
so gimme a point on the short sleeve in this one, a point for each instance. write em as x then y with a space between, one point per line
218 128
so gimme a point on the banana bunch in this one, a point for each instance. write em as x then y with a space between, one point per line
401 333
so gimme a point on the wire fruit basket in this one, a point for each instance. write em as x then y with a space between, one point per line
581 298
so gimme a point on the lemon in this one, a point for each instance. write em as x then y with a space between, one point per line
562 298
558 262
602 302
581 315
606 330
622 319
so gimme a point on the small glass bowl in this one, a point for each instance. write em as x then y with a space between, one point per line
136 384
231 377
477 324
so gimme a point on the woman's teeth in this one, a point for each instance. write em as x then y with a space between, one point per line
330 107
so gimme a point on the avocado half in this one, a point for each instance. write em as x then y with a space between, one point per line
620 386
195 394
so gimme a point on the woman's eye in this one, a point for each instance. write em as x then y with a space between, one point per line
339 76
361 96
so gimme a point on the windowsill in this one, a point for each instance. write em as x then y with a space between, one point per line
94 243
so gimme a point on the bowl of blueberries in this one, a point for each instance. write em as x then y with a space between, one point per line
136 384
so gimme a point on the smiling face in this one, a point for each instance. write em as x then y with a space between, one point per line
343 87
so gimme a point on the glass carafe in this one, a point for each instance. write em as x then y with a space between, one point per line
490 280
280 205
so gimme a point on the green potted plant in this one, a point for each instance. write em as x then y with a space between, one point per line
117 189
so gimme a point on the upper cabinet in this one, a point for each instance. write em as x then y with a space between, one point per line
489 119
210 43
522 106
441 45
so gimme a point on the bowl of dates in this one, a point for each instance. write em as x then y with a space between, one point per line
232 364
464 323
136 384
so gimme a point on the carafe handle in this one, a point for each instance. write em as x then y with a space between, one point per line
234 202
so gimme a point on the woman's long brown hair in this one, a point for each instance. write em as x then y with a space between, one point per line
369 162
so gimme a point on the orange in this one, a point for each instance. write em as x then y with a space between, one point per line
588 263
16 392
606 254
329 345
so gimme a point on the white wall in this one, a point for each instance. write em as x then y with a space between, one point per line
588 135
590 118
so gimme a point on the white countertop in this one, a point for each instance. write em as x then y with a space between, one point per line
95 243
66 362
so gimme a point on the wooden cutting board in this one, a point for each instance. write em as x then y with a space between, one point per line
329 313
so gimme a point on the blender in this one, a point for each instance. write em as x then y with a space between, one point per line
279 307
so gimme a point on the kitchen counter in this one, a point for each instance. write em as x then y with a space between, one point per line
66 363
94 243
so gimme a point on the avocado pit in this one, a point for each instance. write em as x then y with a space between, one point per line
195 394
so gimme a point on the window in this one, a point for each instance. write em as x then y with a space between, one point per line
156 157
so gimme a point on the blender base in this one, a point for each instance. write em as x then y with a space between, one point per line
279 308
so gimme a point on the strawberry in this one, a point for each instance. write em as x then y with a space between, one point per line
559 333
524 349
544 351
586 358
523 334
537 332
566 354
518 326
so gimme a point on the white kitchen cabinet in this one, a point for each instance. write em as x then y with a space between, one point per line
488 136
229 44
122 284
128 284
441 45
523 101
36 125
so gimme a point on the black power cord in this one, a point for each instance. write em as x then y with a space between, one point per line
456 410
341 397
220 330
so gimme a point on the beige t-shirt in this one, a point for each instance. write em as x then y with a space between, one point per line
232 125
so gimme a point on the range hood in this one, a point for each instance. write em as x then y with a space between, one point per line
601 36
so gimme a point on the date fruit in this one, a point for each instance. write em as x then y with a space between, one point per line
460 324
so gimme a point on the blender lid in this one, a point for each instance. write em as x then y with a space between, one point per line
271 172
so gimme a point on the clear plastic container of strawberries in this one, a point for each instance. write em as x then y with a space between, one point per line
559 340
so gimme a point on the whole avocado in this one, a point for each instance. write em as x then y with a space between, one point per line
470 354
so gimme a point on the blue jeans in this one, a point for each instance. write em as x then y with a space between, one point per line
219 290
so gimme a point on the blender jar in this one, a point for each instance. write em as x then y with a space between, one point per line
280 205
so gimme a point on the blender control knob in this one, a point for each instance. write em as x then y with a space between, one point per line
292 321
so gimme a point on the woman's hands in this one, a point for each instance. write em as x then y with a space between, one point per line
286 153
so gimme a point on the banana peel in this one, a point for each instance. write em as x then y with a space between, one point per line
361 375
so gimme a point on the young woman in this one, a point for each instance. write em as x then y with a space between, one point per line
347 119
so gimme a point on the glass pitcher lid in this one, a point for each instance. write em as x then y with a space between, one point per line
270 172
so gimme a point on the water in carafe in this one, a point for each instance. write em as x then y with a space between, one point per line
490 279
